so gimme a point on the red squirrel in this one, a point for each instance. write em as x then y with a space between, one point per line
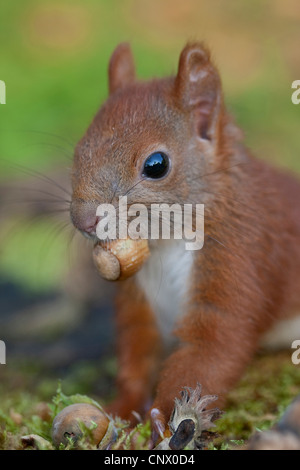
189 317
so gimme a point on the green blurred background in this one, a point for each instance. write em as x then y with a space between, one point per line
54 56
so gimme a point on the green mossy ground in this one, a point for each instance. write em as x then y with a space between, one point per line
266 389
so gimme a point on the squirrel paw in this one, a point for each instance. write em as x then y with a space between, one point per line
189 419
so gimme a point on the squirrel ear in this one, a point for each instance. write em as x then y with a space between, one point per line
198 88
121 71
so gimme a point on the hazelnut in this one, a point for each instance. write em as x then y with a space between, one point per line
66 424
120 259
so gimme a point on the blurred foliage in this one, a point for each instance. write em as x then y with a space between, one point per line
54 59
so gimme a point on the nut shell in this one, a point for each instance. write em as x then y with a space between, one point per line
120 259
67 423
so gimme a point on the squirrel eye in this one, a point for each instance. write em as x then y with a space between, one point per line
156 165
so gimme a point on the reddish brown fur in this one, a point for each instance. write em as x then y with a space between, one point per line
247 274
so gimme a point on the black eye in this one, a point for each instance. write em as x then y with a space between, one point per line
156 166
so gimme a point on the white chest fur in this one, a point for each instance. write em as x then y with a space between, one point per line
164 279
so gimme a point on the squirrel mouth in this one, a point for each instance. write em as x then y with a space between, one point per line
90 236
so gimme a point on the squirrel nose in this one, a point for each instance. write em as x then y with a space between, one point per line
89 224
84 217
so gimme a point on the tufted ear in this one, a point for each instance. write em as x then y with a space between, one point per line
198 89
121 70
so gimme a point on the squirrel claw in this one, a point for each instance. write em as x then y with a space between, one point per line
158 426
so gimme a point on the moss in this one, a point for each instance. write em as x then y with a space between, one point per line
266 389
258 401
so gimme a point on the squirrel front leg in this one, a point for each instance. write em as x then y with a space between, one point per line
214 350
138 351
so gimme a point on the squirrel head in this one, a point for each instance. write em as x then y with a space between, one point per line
151 141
